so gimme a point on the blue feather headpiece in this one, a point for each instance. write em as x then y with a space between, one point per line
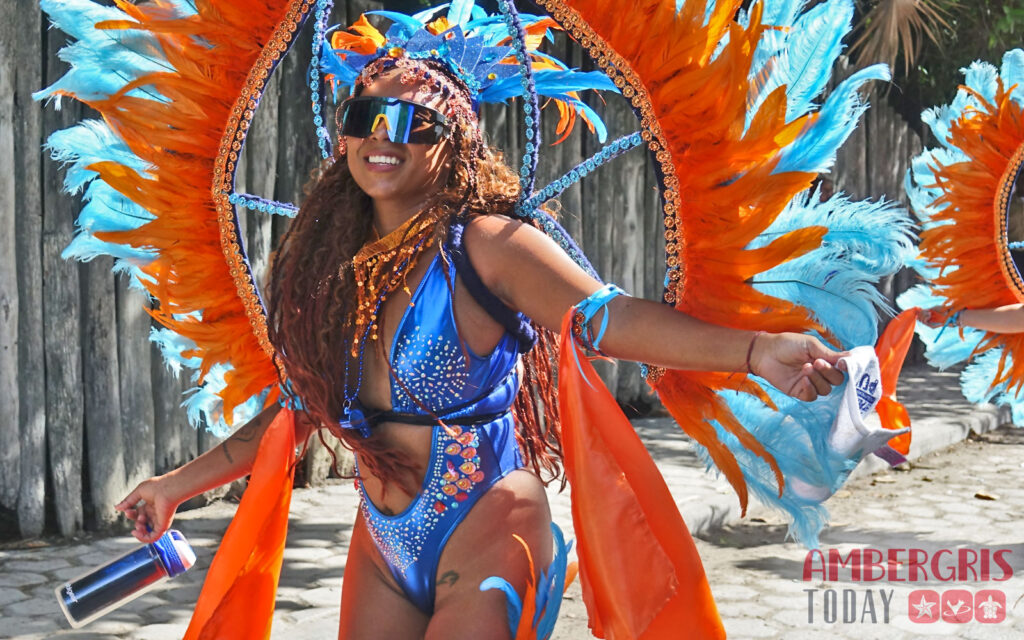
475 48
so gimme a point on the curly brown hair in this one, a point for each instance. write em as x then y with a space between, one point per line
312 298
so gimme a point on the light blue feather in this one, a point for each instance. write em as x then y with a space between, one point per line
1012 72
982 77
866 241
801 55
550 586
89 142
102 61
793 435
513 603
815 149
427 15
204 406
461 12
811 51
781 13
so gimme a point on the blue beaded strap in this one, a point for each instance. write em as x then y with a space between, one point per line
571 177
530 208
255 203
557 232
316 88
1015 246
531 107
586 310
531 118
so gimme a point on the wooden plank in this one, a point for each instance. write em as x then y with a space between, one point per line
261 174
298 154
602 201
850 173
176 440
102 393
28 156
10 433
133 355
61 314
654 225
629 171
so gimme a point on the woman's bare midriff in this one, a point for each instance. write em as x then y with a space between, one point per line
412 440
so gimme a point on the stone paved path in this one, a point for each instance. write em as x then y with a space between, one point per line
754 574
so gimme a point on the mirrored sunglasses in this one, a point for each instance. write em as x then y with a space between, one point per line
404 121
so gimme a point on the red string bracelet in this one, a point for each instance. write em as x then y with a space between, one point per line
750 350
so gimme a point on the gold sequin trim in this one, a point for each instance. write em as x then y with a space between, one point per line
626 79
633 89
1001 204
224 166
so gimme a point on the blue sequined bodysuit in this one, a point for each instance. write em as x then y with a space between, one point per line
477 449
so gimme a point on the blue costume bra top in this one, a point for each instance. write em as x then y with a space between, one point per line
473 394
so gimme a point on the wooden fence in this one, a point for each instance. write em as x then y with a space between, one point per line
90 407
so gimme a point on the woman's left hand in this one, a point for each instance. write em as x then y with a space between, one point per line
798 365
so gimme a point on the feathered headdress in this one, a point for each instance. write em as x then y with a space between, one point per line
476 48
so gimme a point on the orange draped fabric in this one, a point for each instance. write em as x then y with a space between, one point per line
892 351
237 600
641 575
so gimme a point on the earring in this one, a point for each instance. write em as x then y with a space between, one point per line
342 146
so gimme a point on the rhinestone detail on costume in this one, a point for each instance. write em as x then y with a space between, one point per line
432 369
454 471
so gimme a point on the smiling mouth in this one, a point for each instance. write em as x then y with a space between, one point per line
383 161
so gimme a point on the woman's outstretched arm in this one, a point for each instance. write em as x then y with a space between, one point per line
529 272
152 504
1006 319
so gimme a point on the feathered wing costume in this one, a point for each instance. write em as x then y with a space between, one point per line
959 191
725 100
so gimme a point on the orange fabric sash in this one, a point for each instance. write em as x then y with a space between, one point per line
641 575
237 600
892 351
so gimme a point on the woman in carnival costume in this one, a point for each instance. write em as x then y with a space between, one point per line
413 306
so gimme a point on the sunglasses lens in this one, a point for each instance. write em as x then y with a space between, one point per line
404 122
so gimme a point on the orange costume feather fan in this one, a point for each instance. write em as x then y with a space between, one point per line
960 191
725 103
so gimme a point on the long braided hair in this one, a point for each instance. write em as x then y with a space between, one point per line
313 296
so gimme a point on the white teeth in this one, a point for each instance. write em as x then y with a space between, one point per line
382 160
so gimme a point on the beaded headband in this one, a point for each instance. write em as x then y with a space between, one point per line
457 100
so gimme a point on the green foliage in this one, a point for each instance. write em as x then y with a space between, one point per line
976 30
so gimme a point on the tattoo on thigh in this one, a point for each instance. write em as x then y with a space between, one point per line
224 448
449 578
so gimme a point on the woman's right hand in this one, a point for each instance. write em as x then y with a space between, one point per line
935 317
152 508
